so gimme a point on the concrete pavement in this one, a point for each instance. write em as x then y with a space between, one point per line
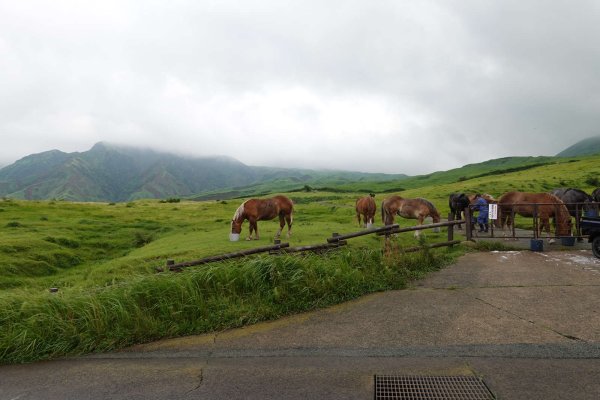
527 323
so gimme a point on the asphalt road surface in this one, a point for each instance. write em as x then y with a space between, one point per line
527 323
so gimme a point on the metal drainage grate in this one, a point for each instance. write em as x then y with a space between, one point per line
388 387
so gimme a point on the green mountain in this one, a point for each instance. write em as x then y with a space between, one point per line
585 147
114 173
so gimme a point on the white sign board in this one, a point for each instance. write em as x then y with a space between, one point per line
493 211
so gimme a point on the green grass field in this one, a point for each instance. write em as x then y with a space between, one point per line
103 259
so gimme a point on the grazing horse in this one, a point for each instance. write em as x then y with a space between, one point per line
575 199
458 202
263 209
548 206
418 209
366 207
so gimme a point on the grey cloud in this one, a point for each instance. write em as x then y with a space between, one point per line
357 85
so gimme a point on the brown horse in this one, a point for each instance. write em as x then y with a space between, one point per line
548 206
366 207
255 210
418 209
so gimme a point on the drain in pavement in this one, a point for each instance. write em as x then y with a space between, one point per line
389 387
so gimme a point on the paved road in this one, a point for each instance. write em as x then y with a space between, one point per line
527 323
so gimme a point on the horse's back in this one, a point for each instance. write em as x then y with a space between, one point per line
268 208
366 204
458 201
284 203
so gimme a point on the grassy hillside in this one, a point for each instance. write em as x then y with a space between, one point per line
103 259
464 177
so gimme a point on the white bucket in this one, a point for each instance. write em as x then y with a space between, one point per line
234 237
369 225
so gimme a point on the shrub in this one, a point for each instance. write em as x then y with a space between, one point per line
142 238
592 181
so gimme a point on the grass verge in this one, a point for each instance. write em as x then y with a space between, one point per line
209 298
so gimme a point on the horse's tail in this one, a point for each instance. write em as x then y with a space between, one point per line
291 212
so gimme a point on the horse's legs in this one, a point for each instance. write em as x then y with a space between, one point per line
358 218
256 229
435 230
420 219
504 222
545 223
250 229
457 214
253 227
281 225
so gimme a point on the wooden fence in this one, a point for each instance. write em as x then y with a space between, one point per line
335 241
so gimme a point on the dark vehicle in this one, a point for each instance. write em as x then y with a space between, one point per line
591 226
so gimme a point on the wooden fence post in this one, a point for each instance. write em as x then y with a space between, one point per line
469 224
450 227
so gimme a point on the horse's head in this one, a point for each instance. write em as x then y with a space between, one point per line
236 226
564 226
237 219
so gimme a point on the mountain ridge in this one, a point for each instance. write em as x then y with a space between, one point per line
109 172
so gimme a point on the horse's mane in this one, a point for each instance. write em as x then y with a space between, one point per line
239 213
427 202
562 211
432 210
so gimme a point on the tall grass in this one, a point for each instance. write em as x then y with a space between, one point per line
204 299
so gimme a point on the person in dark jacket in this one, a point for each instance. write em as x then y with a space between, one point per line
481 205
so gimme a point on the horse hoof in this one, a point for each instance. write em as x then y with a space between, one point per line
551 241
248 239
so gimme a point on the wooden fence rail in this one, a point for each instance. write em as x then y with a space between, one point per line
385 229
221 257
396 229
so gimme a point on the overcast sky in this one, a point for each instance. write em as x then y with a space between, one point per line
378 86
